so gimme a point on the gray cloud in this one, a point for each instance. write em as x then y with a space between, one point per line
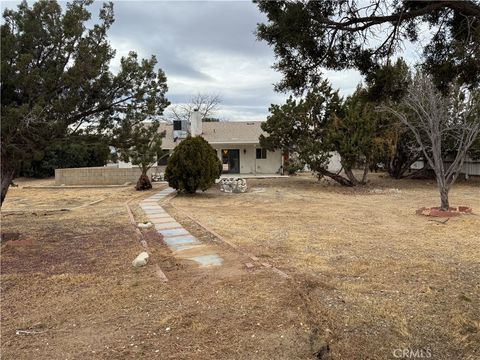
208 47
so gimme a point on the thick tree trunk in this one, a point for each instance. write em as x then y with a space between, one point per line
336 177
444 199
143 182
7 177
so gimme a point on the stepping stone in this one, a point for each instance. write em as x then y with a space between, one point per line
174 232
155 211
179 242
160 217
208 260
169 225
178 239
162 220
188 247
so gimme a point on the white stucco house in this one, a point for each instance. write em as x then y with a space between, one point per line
236 143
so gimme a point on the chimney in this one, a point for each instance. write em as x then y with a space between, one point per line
196 123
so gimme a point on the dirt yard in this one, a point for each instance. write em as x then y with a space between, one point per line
367 275
381 277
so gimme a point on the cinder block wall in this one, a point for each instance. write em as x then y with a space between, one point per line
100 175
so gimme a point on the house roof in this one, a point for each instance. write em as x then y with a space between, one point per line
224 132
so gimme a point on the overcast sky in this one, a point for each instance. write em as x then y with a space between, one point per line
206 47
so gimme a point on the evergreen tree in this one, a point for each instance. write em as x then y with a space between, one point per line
140 144
310 36
193 165
56 80
80 150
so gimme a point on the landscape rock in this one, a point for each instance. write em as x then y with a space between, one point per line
140 260
144 225
233 185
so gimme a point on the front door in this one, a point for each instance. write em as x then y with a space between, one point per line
231 161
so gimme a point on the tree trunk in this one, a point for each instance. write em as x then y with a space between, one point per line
7 177
348 171
143 182
336 177
444 199
365 173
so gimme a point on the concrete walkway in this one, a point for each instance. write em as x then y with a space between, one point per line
183 244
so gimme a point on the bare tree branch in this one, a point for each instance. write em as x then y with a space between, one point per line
441 125
207 105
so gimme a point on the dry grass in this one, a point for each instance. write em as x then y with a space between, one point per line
68 276
394 279
369 276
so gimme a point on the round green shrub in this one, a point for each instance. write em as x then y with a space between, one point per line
193 165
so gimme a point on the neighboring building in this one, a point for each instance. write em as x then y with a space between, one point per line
236 143
469 168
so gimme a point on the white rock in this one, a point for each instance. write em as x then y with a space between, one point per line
144 225
236 185
140 260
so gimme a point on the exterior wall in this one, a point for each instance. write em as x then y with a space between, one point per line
270 165
99 175
121 164
334 164
470 166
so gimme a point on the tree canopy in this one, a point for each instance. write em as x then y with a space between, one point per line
140 144
56 79
193 165
79 150
308 36
320 123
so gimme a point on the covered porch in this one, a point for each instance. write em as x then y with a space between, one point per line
248 159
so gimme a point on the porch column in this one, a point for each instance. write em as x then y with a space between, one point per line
255 158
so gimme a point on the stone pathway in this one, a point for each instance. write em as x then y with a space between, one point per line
183 244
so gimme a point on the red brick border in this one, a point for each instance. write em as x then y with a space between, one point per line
451 212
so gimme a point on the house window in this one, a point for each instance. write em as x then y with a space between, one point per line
261 153
177 125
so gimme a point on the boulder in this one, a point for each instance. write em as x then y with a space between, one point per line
140 260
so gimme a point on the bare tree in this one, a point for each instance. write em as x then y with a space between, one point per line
442 126
207 105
